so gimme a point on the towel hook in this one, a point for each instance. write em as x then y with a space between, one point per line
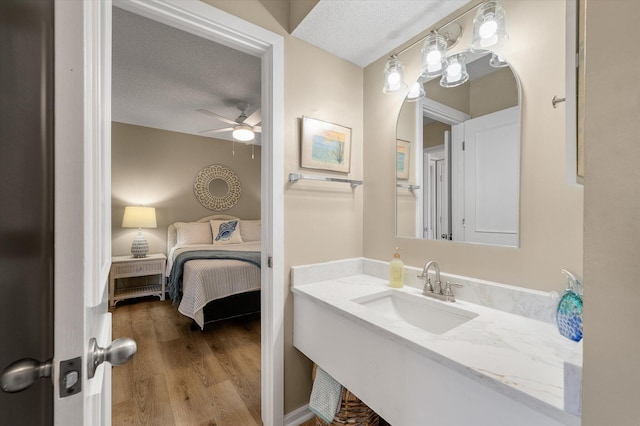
556 100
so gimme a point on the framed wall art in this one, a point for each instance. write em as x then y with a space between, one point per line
403 154
325 146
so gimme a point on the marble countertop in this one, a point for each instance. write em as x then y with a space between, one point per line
519 357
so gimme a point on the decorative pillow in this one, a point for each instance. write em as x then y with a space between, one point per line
250 230
193 233
226 232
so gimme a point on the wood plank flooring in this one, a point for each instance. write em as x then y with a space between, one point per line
183 376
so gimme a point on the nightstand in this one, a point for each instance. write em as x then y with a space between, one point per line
129 266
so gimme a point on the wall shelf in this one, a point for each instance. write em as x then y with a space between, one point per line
295 177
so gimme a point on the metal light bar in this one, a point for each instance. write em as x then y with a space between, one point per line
294 177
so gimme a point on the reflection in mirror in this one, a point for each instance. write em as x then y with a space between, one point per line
458 158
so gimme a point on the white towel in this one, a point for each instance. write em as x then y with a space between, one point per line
325 396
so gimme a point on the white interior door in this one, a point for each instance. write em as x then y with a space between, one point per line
82 209
492 178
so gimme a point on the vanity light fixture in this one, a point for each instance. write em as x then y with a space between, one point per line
455 72
497 61
434 50
489 27
394 75
488 33
416 92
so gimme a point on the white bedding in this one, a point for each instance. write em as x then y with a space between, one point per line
205 280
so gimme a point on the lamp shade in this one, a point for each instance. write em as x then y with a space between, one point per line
139 217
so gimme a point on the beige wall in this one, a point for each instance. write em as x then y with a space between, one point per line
454 97
323 220
433 134
551 208
611 387
493 92
157 168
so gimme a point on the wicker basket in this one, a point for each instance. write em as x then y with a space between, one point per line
352 412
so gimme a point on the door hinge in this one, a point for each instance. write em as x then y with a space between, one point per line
269 262
463 222
463 145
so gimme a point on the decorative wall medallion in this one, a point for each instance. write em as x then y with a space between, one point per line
202 185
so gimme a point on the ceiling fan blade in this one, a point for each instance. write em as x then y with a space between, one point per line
257 129
226 129
219 117
254 118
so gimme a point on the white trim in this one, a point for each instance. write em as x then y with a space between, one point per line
419 172
442 112
298 416
203 20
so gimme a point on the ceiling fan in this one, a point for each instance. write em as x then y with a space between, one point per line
243 128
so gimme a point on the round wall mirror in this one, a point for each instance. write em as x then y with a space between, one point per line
217 188
458 158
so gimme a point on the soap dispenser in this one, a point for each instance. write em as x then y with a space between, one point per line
397 271
569 313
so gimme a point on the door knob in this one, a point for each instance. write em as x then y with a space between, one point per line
119 352
24 373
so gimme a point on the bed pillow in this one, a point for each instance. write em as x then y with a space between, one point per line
193 233
226 232
250 230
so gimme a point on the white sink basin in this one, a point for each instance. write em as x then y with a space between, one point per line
430 315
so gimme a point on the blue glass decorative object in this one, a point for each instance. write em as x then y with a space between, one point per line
569 314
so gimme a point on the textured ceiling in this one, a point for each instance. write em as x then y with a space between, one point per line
361 31
162 75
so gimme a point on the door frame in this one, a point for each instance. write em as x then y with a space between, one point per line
208 22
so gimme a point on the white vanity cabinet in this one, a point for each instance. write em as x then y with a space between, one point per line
481 372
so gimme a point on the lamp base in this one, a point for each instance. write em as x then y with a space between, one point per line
139 246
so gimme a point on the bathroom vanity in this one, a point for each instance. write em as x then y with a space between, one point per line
493 357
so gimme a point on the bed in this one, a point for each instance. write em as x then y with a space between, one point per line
213 267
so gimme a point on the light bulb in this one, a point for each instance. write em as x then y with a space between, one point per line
394 78
434 57
454 69
488 28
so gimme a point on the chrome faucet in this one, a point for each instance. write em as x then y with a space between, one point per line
436 291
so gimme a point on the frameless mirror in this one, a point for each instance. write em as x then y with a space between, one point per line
458 158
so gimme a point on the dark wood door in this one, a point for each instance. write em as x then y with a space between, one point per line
26 201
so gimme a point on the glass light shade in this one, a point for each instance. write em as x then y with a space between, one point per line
139 217
416 92
497 61
394 76
455 71
434 51
243 133
489 29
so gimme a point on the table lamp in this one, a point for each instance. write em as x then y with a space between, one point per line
139 217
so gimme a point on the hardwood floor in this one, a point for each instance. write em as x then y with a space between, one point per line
184 376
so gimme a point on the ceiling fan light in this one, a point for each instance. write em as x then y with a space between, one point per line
243 133
489 27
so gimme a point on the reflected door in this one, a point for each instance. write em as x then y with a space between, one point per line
492 178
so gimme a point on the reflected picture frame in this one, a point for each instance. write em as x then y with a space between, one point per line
403 157
325 146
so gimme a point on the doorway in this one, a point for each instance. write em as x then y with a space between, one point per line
205 21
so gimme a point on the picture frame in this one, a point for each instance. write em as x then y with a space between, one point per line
325 146
403 157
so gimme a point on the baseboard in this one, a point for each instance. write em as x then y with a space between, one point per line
298 416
